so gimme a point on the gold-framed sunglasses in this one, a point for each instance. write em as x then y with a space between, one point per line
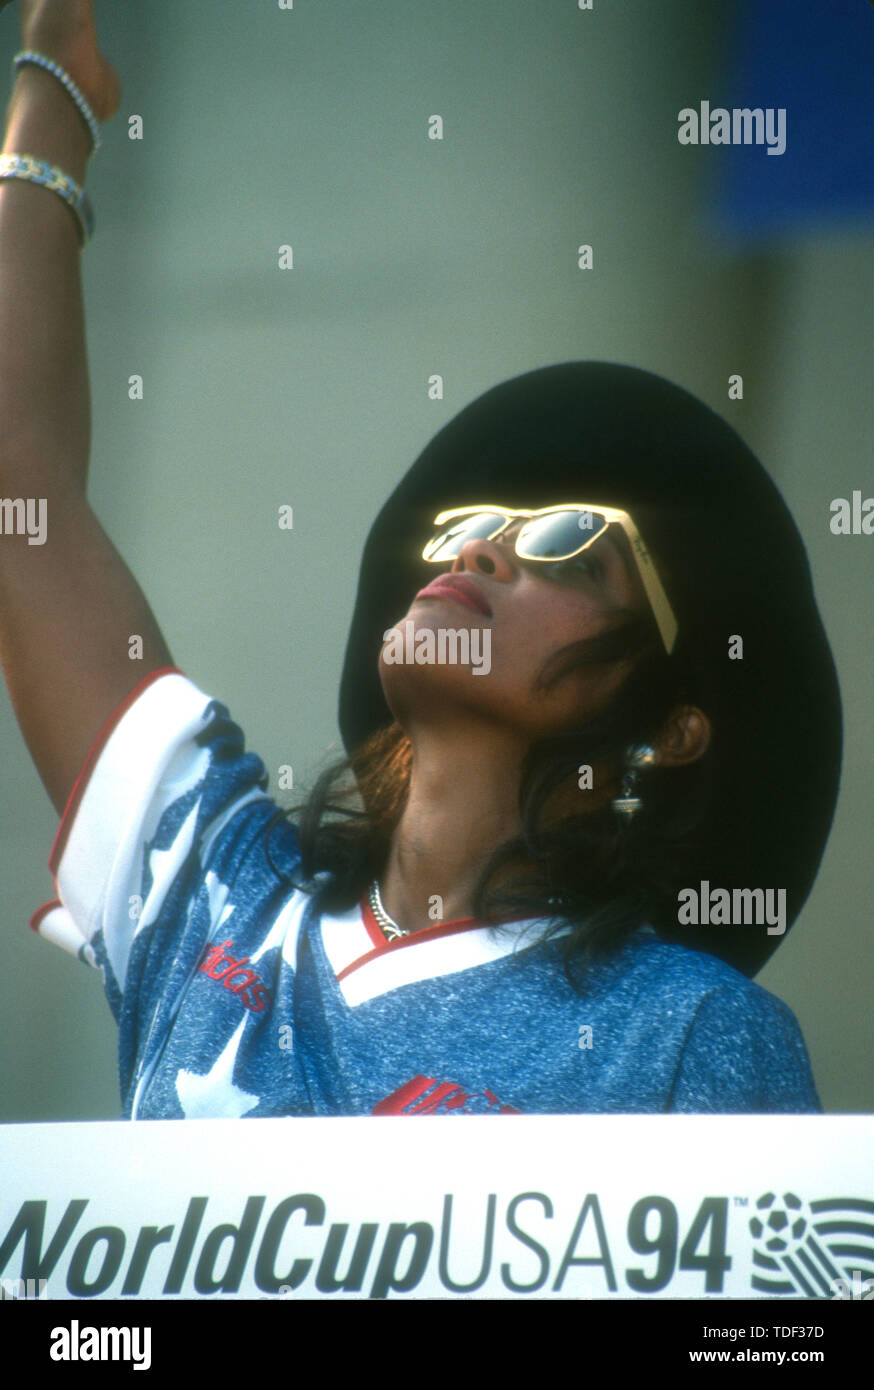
550 535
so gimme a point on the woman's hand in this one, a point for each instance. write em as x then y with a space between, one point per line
64 30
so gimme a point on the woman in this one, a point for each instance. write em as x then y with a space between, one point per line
595 716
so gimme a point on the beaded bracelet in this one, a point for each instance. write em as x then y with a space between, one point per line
27 166
40 60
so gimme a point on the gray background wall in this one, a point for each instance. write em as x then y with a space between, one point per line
309 387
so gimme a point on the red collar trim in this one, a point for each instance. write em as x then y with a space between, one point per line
374 930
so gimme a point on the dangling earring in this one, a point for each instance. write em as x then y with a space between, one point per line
638 758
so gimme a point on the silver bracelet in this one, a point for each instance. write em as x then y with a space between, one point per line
27 166
41 61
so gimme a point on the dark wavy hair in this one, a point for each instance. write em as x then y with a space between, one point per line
572 867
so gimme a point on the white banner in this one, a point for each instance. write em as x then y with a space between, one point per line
564 1207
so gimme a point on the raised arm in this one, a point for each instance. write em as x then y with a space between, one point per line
68 603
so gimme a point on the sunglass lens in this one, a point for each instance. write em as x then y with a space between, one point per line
447 544
557 535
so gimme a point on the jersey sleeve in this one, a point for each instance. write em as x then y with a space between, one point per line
155 839
744 1054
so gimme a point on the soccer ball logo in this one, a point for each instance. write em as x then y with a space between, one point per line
780 1222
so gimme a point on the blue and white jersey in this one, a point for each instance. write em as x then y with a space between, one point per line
236 996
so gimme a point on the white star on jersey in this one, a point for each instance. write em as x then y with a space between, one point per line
203 1097
164 865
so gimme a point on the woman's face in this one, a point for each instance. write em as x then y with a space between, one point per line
518 614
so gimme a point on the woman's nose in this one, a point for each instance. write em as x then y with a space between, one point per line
487 557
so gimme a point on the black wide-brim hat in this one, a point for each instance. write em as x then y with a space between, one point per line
731 561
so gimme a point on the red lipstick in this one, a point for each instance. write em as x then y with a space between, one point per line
457 588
